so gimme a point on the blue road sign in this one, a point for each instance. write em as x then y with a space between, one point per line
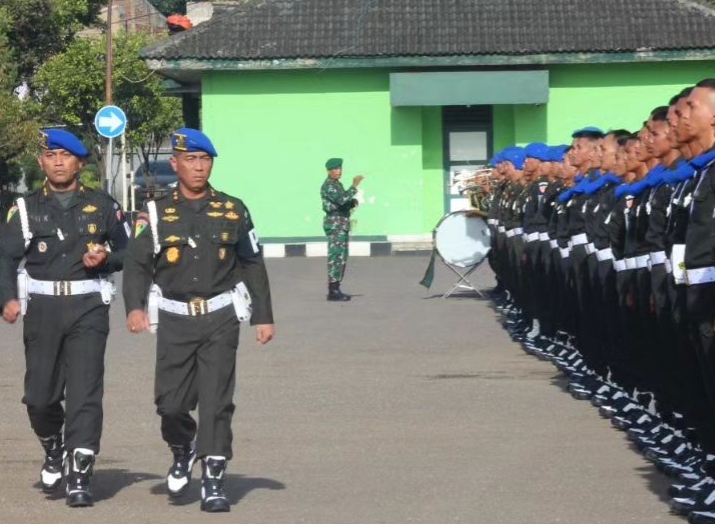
110 121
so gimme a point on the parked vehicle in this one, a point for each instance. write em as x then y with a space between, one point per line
158 180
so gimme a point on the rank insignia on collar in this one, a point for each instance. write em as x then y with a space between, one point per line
222 253
232 216
230 205
172 255
92 228
170 218
89 209
216 205
224 236
172 238
215 214
170 210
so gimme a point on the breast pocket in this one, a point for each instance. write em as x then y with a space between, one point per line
92 227
224 238
173 241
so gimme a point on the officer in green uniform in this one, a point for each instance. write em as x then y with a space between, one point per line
62 231
337 204
200 249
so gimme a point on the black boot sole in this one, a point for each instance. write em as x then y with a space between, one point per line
80 500
216 506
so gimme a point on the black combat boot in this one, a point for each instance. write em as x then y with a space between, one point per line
179 476
213 496
334 293
79 470
52 469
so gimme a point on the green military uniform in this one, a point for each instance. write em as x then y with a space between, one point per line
337 205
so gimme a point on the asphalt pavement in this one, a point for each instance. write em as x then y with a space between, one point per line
397 407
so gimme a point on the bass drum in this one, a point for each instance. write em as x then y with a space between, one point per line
462 239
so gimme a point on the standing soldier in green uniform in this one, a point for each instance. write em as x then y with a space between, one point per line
337 204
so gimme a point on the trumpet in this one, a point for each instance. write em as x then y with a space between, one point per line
473 179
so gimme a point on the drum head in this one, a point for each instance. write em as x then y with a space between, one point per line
462 240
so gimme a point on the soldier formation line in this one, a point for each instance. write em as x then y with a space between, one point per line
604 254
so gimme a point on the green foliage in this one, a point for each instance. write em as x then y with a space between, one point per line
72 87
39 29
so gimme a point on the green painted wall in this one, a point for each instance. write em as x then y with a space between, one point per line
274 131
614 96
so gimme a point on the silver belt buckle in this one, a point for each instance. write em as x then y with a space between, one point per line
63 287
198 306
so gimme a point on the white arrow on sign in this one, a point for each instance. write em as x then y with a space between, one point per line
112 121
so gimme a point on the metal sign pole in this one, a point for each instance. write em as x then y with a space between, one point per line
110 182
124 172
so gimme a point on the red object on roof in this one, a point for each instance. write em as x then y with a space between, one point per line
179 23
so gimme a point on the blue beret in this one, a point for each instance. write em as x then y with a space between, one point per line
516 156
334 163
191 140
538 151
590 130
61 139
557 153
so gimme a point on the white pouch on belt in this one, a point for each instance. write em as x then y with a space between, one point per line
22 290
242 302
107 289
152 306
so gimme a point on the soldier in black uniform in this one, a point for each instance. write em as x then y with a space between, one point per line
62 230
197 245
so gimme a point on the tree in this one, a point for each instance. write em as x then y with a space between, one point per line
71 87
39 29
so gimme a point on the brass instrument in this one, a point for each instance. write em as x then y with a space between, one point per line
478 185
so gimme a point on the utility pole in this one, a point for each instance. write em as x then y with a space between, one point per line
108 96
108 75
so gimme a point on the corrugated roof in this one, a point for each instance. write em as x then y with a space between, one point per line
293 29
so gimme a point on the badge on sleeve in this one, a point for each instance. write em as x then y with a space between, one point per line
139 227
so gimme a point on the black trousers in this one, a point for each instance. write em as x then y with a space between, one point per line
701 314
196 366
65 340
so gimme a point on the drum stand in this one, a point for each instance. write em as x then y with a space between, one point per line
463 283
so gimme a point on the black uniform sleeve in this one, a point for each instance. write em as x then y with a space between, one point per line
12 251
138 265
255 276
118 238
